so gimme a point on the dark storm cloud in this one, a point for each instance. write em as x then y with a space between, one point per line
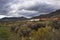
3 7
42 8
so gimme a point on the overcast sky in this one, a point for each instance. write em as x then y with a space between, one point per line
27 8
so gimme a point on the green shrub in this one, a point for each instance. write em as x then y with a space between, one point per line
4 33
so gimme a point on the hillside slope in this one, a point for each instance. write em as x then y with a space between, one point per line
50 15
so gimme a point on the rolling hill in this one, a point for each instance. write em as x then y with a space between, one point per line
55 14
13 19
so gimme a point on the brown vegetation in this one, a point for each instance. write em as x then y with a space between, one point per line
26 30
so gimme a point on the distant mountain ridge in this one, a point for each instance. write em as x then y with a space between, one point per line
13 19
50 15
55 14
